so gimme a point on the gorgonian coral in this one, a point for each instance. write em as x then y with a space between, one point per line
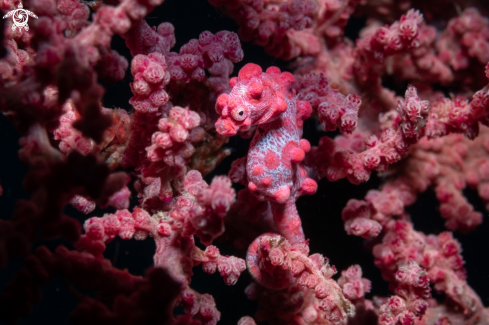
406 102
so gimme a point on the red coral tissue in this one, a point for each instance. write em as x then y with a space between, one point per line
254 152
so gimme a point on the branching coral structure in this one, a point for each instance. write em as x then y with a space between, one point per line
401 108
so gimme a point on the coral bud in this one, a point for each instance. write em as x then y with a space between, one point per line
276 256
408 29
162 140
321 291
349 122
178 133
382 36
164 229
141 87
396 304
154 73
159 98
297 267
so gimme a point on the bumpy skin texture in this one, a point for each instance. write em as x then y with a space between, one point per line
273 169
273 165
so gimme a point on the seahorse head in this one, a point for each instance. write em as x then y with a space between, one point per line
256 97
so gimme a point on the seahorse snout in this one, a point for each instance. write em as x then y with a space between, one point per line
226 127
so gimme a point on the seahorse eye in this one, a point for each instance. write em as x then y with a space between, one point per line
239 113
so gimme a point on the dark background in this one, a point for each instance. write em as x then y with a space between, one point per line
320 213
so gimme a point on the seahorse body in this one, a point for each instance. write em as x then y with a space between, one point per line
273 167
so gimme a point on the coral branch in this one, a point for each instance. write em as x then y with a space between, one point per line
141 167
336 161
